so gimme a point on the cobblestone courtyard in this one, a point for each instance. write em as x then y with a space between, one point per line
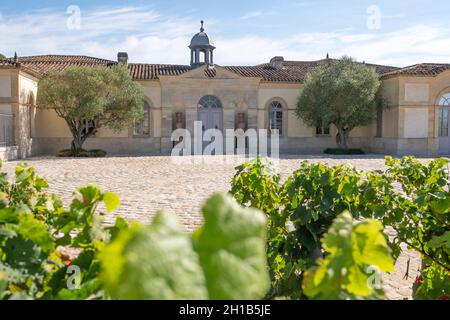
148 184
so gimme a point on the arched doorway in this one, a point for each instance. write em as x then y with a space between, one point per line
444 121
210 113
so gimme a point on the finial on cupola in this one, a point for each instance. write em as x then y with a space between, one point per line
201 28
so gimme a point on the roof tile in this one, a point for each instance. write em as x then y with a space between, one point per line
292 71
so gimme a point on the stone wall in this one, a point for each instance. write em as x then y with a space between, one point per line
409 125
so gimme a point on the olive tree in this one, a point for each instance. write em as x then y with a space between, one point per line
2 56
89 98
343 93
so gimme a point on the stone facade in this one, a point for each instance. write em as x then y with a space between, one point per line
411 125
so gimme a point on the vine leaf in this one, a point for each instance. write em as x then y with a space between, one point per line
232 250
353 252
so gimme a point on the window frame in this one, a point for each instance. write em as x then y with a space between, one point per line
277 110
444 108
147 117
379 123
323 132
209 102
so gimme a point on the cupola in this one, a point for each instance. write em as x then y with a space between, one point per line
201 49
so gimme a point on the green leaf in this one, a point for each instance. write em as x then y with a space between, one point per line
441 205
370 246
36 231
3 284
357 282
9 215
86 290
232 250
155 262
111 201
441 242
345 271
89 195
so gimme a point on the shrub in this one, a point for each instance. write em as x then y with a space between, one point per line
49 252
411 197
299 211
344 151
356 254
224 259
68 153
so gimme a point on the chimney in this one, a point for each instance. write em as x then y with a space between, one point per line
122 57
277 63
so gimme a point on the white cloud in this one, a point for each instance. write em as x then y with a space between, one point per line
252 14
150 37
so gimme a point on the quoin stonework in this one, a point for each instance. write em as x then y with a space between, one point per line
260 97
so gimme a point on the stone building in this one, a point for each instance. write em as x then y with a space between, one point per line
263 96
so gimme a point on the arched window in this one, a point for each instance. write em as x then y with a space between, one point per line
445 100
276 116
444 115
210 102
142 127
210 113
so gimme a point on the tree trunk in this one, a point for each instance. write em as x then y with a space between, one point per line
77 144
342 138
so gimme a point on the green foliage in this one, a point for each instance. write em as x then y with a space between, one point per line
49 252
225 259
2 57
414 199
433 284
36 230
344 151
299 211
155 262
231 247
82 153
410 196
99 96
353 253
340 92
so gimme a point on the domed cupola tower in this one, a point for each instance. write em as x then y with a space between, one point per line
201 50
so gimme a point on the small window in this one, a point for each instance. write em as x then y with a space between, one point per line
444 115
142 127
276 117
379 123
323 131
443 122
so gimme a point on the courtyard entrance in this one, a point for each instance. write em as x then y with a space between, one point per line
210 113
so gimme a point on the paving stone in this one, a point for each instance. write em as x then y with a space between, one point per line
147 185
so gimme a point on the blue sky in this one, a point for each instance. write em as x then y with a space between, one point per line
245 32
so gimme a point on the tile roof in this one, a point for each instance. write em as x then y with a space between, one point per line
292 71
5 63
11 64
423 69
45 63
140 71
